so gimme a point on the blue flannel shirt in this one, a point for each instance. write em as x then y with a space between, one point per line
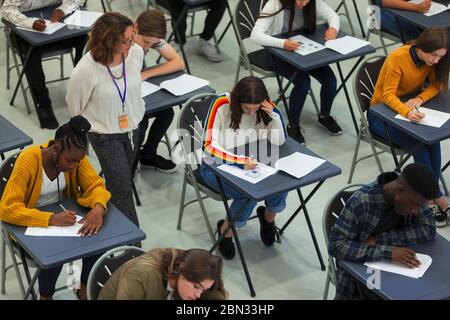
356 223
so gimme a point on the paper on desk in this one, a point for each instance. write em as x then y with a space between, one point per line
55 231
148 88
82 18
51 27
416 273
346 44
307 46
183 84
433 118
264 171
298 164
435 7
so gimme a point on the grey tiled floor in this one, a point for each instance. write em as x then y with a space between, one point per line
289 270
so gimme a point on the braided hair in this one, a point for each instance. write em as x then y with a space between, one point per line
73 133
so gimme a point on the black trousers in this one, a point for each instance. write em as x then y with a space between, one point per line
215 14
34 71
47 277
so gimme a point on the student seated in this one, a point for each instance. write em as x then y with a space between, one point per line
417 71
286 16
149 33
12 11
45 173
389 21
167 274
381 219
244 115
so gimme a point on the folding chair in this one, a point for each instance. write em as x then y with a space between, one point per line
245 16
106 265
191 121
364 83
330 215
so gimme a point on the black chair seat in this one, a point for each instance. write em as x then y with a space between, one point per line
383 140
202 182
259 59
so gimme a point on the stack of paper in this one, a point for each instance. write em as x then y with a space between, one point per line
307 46
435 7
82 18
261 172
298 164
54 231
433 118
148 88
51 27
416 273
345 45
183 84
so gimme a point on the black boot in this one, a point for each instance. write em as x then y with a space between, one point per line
46 117
267 230
226 246
295 133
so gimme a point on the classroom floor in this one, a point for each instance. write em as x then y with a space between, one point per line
289 270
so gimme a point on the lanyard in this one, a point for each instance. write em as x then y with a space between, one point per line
122 97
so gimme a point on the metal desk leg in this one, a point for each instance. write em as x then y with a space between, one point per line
236 238
14 260
22 72
28 276
359 19
402 34
347 96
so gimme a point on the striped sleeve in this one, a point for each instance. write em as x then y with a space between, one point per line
213 130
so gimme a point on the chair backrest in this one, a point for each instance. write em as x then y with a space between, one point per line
105 267
245 16
6 170
365 79
191 122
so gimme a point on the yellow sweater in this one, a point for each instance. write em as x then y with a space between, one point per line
17 205
400 76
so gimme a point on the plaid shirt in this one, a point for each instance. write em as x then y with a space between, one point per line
356 223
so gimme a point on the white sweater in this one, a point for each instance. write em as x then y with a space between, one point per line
12 9
92 93
265 28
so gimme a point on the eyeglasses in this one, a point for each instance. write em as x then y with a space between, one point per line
128 42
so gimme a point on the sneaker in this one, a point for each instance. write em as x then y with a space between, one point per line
209 50
47 118
330 124
226 246
440 216
159 163
295 133
267 229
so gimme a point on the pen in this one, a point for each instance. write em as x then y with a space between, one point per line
62 207
42 16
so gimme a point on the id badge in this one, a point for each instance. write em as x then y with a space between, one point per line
123 121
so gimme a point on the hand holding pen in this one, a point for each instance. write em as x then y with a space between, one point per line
291 45
414 114
63 218
39 24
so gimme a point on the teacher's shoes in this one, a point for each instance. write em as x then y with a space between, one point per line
330 124
158 163
226 246
295 132
209 50
46 117
267 229
440 216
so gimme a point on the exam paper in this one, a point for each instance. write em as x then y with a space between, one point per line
346 44
435 7
261 172
183 84
307 46
148 88
416 273
51 27
298 164
433 118
82 18
55 231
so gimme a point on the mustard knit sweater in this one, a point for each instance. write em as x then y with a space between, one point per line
400 76
17 205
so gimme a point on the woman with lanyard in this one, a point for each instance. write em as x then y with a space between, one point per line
105 88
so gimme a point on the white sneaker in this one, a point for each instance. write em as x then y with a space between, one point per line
209 50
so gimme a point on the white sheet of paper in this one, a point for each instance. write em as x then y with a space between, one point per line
82 18
435 7
346 44
433 118
416 273
264 171
54 231
183 84
307 46
50 27
148 88
298 164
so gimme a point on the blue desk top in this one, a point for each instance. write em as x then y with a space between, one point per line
196 2
48 252
163 99
422 21
11 137
425 134
435 284
279 182
321 58
40 39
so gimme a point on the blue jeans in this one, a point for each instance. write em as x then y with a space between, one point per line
428 155
274 204
302 84
389 23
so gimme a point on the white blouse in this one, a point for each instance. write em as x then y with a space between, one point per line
49 189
